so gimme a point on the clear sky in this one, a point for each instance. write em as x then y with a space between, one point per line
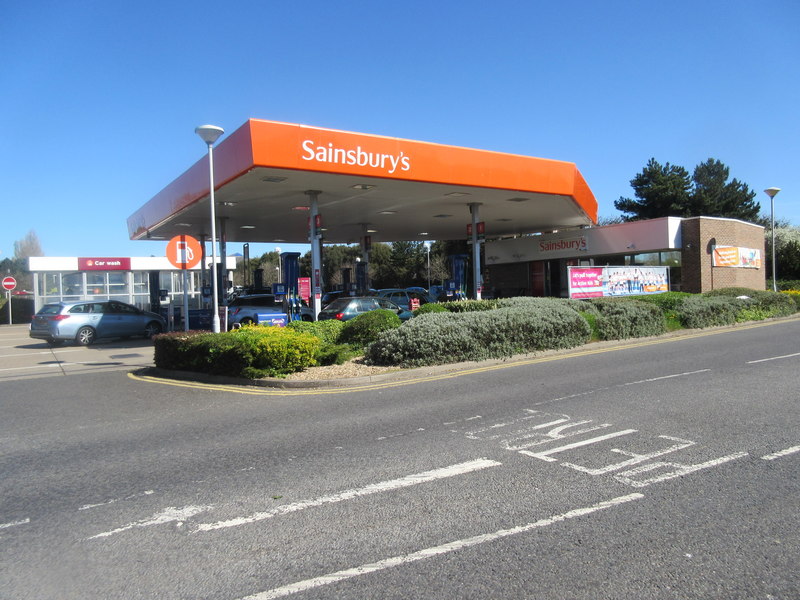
99 100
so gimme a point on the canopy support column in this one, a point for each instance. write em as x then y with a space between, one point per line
477 282
315 237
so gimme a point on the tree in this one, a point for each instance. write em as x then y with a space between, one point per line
662 191
28 246
714 196
668 191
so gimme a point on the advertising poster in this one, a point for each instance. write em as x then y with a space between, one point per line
599 282
731 256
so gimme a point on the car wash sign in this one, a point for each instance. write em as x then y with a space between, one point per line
601 282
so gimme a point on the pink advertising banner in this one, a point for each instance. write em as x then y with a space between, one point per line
599 282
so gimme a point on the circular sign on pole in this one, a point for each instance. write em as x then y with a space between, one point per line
9 283
184 252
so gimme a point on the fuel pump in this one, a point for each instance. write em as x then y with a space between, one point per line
290 269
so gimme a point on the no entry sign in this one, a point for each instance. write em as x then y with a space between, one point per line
9 283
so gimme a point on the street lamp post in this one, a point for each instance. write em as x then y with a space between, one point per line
209 134
772 192
280 275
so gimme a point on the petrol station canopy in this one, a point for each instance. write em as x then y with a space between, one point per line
389 189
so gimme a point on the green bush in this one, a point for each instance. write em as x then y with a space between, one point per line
698 312
364 329
431 307
772 304
336 354
454 337
328 331
623 318
251 352
668 301
461 306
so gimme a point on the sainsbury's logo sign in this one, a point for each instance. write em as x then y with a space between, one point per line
578 244
355 157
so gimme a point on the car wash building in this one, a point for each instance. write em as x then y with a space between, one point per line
147 282
287 183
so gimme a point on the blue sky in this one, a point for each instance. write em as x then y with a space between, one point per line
100 99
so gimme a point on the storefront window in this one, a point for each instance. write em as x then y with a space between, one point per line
50 285
72 285
96 284
118 285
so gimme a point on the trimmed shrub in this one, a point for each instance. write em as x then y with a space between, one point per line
698 312
461 306
795 296
328 331
430 307
625 318
668 301
251 352
336 354
364 329
772 304
454 337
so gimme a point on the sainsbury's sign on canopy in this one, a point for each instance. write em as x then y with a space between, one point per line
576 244
104 264
331 154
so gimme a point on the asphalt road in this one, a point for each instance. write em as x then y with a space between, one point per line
659 469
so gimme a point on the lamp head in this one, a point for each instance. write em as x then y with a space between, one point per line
209 133
772 192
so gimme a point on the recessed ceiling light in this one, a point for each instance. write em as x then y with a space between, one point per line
517 200
229 204
372 231
423 233
441 216
502 220
247 227
301 208
387 212
184 224
278 240
363 186
273 179
457 194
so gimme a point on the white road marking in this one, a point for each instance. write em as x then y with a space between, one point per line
14 523
455 546
752 362
680 470
168 515
667 377
545 455
634 459
781 453
107 502
375 488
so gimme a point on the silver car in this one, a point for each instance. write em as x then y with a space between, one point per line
88 320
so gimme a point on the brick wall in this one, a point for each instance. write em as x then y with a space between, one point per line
699 235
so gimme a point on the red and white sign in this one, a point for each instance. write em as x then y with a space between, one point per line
9 283
184 252
104 264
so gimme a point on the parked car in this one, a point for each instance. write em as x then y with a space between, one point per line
88 320
403 297
245 309
345 309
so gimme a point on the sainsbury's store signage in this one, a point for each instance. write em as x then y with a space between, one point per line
104 264
575 244
331 154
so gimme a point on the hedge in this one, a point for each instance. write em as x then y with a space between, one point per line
536 324
252 352
365 328
620 319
